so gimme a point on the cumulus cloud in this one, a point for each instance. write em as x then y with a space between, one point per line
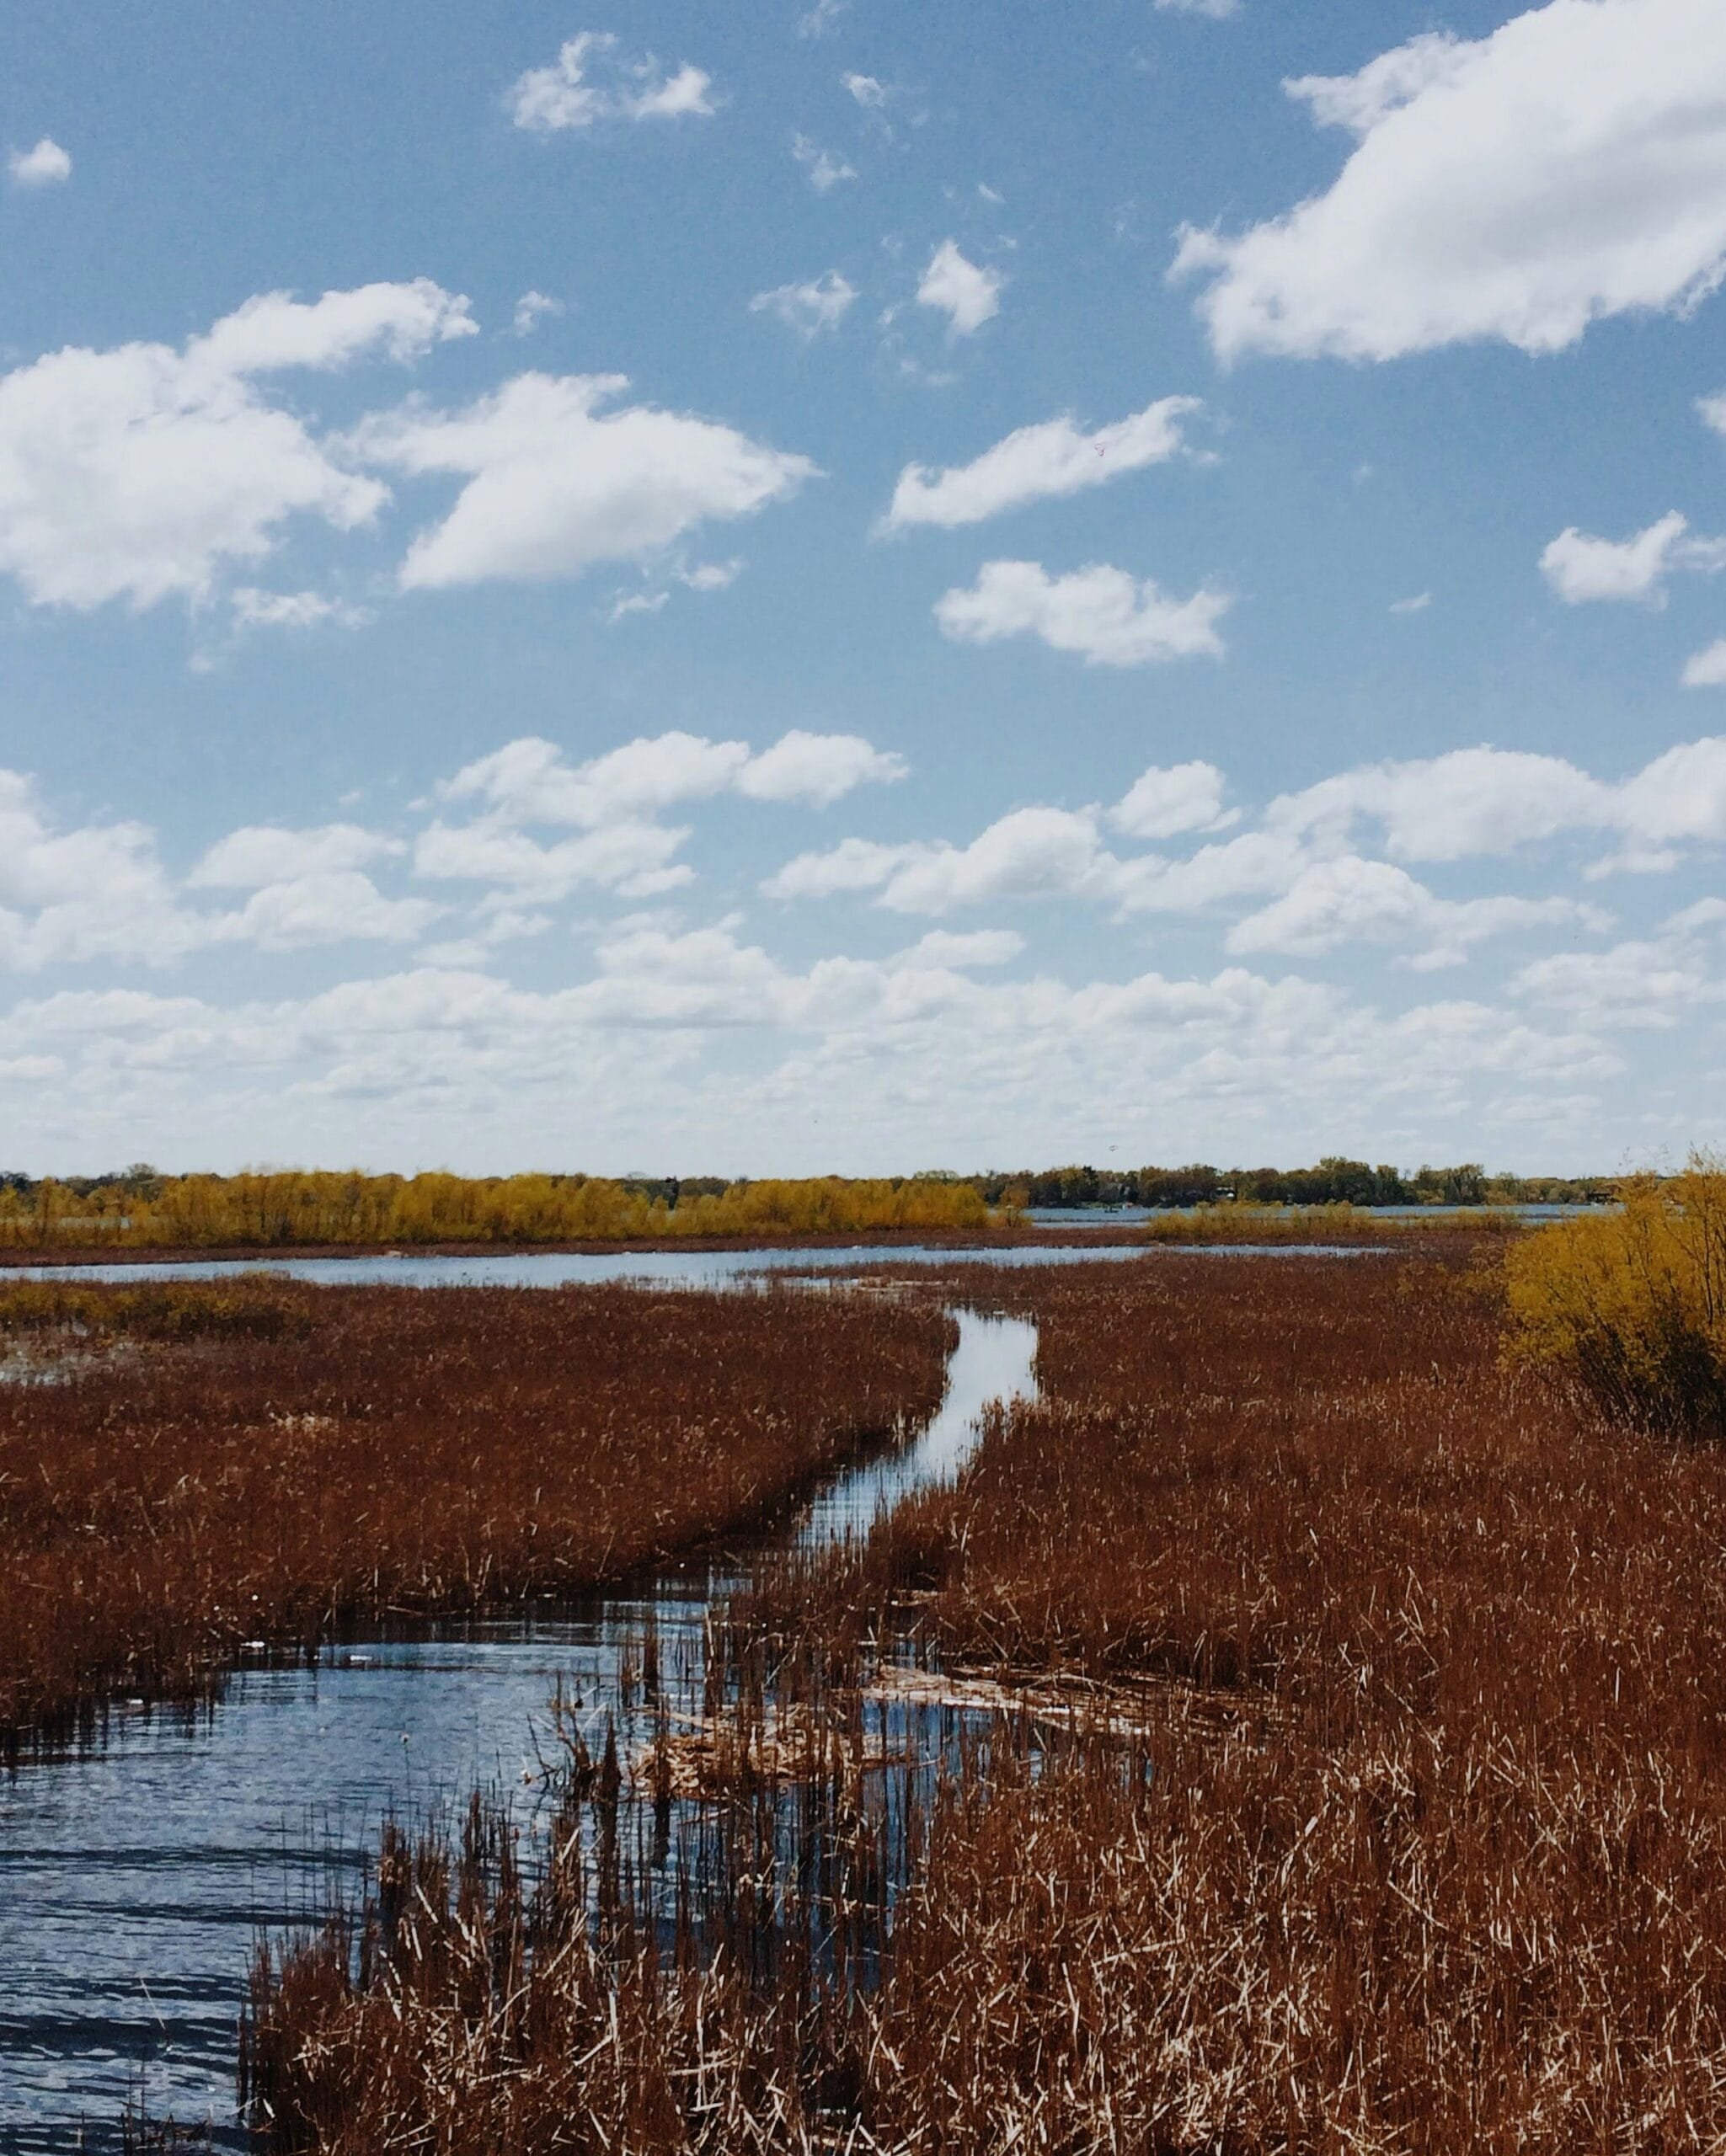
1568 167
1350 900
867 90
817 768
268 853
530 781
140 473
967 294
1579 567
99 891
45 165
333 906
1104 615
613 802
1706 668
592 79
1655 981
555 482
1164 802
1489 801
1056 457
825 170
631 856
822 303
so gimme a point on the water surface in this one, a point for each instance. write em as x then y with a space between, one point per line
135 1876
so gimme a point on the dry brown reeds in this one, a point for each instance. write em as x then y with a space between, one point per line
1419 1845
188 1468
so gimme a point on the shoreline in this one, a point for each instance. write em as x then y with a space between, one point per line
1324 1226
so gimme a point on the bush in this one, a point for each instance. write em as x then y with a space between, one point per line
1633 1303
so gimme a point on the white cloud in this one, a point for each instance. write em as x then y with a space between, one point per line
592 80
1487 801
1215 11
711 576
1104 615
1350 900
1706 668
1579 567
527 781
1416 605
334 906
45 165
613 800
1657 981
1568 167
140 473
94 891
636 602
631 857
969 296
825 170
818 768
1470 801
852 865
555 483
706 576
532 309
1165 802
99 892
870 92
253 609
267 853
1054 458
1031 853
822 303
983 947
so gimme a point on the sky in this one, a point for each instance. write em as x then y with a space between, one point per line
844 586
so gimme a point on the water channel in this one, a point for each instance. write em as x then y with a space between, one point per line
136 1875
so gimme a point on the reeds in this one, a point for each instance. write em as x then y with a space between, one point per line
186 1470
1419 1845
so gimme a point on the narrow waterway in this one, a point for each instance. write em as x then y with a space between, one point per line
135 1876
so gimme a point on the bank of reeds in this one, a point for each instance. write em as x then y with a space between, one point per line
187 1468
1432 1856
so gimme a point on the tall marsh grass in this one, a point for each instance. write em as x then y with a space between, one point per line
1419 1846
186 1469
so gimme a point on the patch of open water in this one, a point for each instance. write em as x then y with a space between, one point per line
135 1876
694 1268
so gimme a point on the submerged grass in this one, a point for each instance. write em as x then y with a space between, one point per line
1415 1842
187 1469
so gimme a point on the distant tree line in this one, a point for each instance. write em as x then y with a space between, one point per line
1334 1180
280 1209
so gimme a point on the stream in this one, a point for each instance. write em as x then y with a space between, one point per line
137 1874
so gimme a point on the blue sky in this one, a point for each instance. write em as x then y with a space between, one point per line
862 587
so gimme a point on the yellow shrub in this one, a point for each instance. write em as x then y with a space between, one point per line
1633 1303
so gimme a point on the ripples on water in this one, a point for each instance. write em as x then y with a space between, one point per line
135 1876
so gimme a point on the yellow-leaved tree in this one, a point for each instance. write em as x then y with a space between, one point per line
1632 1303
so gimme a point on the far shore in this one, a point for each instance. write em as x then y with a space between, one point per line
1321 1224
